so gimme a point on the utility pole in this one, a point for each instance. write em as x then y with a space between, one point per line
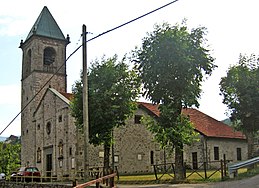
85 106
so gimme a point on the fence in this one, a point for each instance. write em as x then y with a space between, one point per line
99 180
201 170
70 177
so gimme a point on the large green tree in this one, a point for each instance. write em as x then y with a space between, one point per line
113 89
9 157
172 63
240 90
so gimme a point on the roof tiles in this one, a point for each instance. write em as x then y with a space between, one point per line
203 123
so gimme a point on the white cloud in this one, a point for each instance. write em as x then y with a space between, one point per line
10 95
9 108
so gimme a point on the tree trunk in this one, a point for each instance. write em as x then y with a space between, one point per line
250 147
106 160
179 167
250 143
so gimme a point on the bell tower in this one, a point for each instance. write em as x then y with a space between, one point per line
43 66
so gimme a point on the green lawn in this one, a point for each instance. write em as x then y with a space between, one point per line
195 177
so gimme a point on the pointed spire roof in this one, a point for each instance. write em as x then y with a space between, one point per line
46 26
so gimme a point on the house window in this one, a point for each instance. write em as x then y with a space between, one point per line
70 151
116 158
239 156
137 119
151 157
101 154
48 128
60 118
216 153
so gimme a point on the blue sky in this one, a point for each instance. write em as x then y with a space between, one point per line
232 29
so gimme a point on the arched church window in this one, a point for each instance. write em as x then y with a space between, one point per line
49 56
38 155
48 128
27 65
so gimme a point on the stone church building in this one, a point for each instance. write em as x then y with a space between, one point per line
50 139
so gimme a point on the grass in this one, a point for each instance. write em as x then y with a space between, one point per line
194 178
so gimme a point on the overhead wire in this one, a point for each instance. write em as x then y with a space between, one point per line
108 31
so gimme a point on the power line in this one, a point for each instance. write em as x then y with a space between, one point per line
108 31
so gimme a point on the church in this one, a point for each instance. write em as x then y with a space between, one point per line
49 137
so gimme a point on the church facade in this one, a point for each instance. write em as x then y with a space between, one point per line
51 141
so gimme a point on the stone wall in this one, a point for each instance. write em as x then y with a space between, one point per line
205 150
135 148
6 184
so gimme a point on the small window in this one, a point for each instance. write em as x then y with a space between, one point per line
216 153
139 157
239 156
60 163
60 118
70 151
73 163
38 126
137 119
101 154
48 128
116 158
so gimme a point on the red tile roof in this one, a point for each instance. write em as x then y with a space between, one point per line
203 123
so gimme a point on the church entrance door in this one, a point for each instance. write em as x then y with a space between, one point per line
49 164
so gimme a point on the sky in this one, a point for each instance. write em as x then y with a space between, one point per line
232 27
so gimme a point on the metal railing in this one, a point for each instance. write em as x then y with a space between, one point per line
233 168
109 177
62 176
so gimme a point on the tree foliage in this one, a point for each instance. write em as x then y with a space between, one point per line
9 157
172 63
240 89
241 94
113 89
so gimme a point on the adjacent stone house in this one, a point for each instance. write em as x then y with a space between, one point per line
137 151
51 141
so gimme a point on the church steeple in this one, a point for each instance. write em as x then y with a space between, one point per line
46 26
44 57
